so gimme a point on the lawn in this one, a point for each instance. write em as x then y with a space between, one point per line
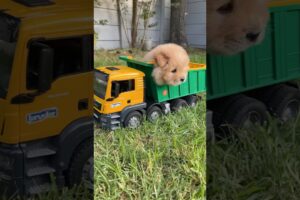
161 160
255 165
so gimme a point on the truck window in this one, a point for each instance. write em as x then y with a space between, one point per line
100 84
125 86
8 38
71 56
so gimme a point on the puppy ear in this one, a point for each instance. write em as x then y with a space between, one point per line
161 60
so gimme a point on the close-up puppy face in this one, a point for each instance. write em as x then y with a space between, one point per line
171 71
235 25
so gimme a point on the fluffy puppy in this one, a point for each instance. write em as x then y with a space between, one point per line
171 64
235 25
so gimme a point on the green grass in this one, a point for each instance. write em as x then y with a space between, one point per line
255 165
162 160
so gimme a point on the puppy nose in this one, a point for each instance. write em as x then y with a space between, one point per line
182 80
252 37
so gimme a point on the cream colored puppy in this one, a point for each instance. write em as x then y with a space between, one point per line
171 64
235 25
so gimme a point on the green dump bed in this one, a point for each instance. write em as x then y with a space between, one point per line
276 60
194 84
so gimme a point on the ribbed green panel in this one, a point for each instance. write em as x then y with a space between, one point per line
276 60
194 84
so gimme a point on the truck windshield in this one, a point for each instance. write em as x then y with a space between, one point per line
8 37
100 84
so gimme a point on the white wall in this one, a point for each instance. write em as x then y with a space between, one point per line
110 35
196 23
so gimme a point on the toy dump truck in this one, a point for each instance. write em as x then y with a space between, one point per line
46 120
124 94
241 89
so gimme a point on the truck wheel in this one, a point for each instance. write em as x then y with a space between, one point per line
220 106
133 119
245 112
81 169
178 104
191 100
154 113
285 103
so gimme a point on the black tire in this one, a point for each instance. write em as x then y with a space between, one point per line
81 170
220 107
177 104
154 113
284 103
191 100
245 112
133 120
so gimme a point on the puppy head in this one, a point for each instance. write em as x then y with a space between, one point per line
170 70
235 25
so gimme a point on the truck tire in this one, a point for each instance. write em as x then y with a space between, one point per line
154 113
177 104
245 112
133 119
220 106
81 169
285 103
191 100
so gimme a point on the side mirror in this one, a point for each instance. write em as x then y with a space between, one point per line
115 90
45 71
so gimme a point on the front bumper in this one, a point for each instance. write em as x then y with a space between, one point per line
11 171
108 122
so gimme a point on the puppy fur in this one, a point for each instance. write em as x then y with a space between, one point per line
171 64
235 25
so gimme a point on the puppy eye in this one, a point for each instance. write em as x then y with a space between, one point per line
174 71
226 8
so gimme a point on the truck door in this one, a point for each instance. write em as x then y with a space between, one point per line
71 94
123 94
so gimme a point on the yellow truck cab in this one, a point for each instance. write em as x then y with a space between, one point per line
130 83
117 89
46 101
